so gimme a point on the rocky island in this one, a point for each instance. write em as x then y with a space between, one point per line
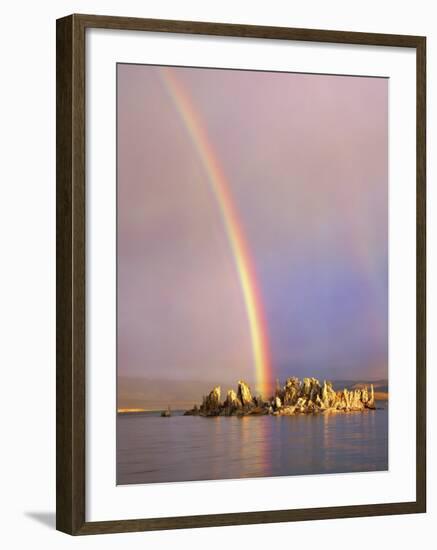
308 396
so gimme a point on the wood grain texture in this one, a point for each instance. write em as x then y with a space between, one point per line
64 409
421 274
71 271
246 31
70 277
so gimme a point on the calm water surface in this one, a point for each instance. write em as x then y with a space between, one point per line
152 449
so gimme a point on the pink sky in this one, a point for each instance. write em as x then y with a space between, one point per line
306 161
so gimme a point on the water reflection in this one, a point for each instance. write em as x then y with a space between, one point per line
151 449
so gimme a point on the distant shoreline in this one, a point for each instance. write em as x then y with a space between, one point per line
131 411
139 410
381 395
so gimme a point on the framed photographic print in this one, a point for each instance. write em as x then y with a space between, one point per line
240 274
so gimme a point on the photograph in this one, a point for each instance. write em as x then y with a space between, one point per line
216 238
252 274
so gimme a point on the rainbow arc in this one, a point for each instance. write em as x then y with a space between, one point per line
240 250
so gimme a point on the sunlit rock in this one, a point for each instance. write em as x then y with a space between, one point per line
291 391
286 411
328 396
371 401
294 397
244 393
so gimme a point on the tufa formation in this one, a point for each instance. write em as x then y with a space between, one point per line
294 397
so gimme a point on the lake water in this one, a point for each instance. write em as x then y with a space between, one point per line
151 449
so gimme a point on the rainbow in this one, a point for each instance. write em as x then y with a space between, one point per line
234 232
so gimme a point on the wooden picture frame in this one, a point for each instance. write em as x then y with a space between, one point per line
71 279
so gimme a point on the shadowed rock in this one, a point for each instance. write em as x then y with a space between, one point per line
211 405
232 404
192 412
290 392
